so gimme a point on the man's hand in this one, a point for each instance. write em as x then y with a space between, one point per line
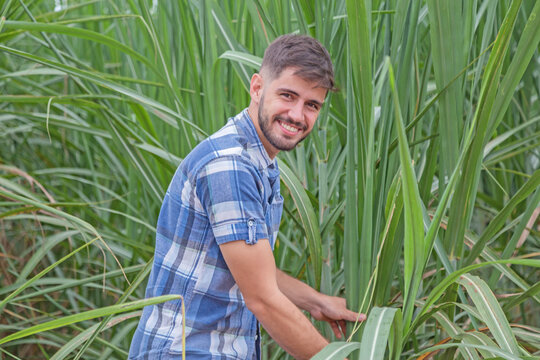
334 311
322 307
274 298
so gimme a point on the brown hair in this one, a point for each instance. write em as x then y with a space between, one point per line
305 53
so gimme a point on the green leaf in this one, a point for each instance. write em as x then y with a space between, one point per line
502 216
74 343
450 279
307 217
449 31
336 351
79 33
376 332
42 273
529 293
494 350
478 338
414 248
87 315
244 58
165 113
141 276
491 312
493 101
359 247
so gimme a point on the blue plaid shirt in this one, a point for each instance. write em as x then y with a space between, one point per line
226 189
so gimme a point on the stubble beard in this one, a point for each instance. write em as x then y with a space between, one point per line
275 140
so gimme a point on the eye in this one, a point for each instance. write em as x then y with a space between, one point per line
286 95
313 106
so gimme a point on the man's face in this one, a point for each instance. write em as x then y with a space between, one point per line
288 109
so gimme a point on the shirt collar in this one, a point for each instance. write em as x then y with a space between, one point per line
255 146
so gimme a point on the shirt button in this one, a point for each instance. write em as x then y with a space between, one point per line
251 222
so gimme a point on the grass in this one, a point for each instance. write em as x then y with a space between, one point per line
416 195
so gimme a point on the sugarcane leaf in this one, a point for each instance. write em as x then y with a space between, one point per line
166 113
490 311
450 279
336 351
531 185
376 332
74 343
495 350
242 57
414 227
308 218
79 33
87 315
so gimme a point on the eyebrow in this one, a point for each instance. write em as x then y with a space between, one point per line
320 104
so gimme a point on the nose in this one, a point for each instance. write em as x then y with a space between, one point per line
296 112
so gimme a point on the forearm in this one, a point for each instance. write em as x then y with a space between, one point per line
254 271
321 306
301 294
286 324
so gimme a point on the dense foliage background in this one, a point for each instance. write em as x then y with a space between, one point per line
416 196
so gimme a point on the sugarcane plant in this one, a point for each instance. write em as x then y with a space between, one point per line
416 196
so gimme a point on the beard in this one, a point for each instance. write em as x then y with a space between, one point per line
284 142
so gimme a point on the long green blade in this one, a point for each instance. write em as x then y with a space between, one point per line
338 350
87 315
414 227
376 332
491 312
307 217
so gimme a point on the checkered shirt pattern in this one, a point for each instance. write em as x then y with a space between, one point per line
226 189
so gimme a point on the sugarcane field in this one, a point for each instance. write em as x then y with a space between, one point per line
264 179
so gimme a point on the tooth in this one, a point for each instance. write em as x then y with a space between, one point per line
288 127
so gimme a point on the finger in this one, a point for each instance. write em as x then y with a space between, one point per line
343 326
335 329
361 317
349 315
353 316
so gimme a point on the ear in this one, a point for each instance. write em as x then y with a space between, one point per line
256 87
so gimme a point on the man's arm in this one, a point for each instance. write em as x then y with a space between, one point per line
254 270
322 307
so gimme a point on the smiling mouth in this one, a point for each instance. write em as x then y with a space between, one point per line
288 127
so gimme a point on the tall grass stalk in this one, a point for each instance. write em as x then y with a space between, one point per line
415 196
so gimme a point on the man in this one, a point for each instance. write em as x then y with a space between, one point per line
219 221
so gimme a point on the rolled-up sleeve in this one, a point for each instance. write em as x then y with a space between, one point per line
231 192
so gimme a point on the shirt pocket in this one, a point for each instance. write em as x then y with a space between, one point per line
274 210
